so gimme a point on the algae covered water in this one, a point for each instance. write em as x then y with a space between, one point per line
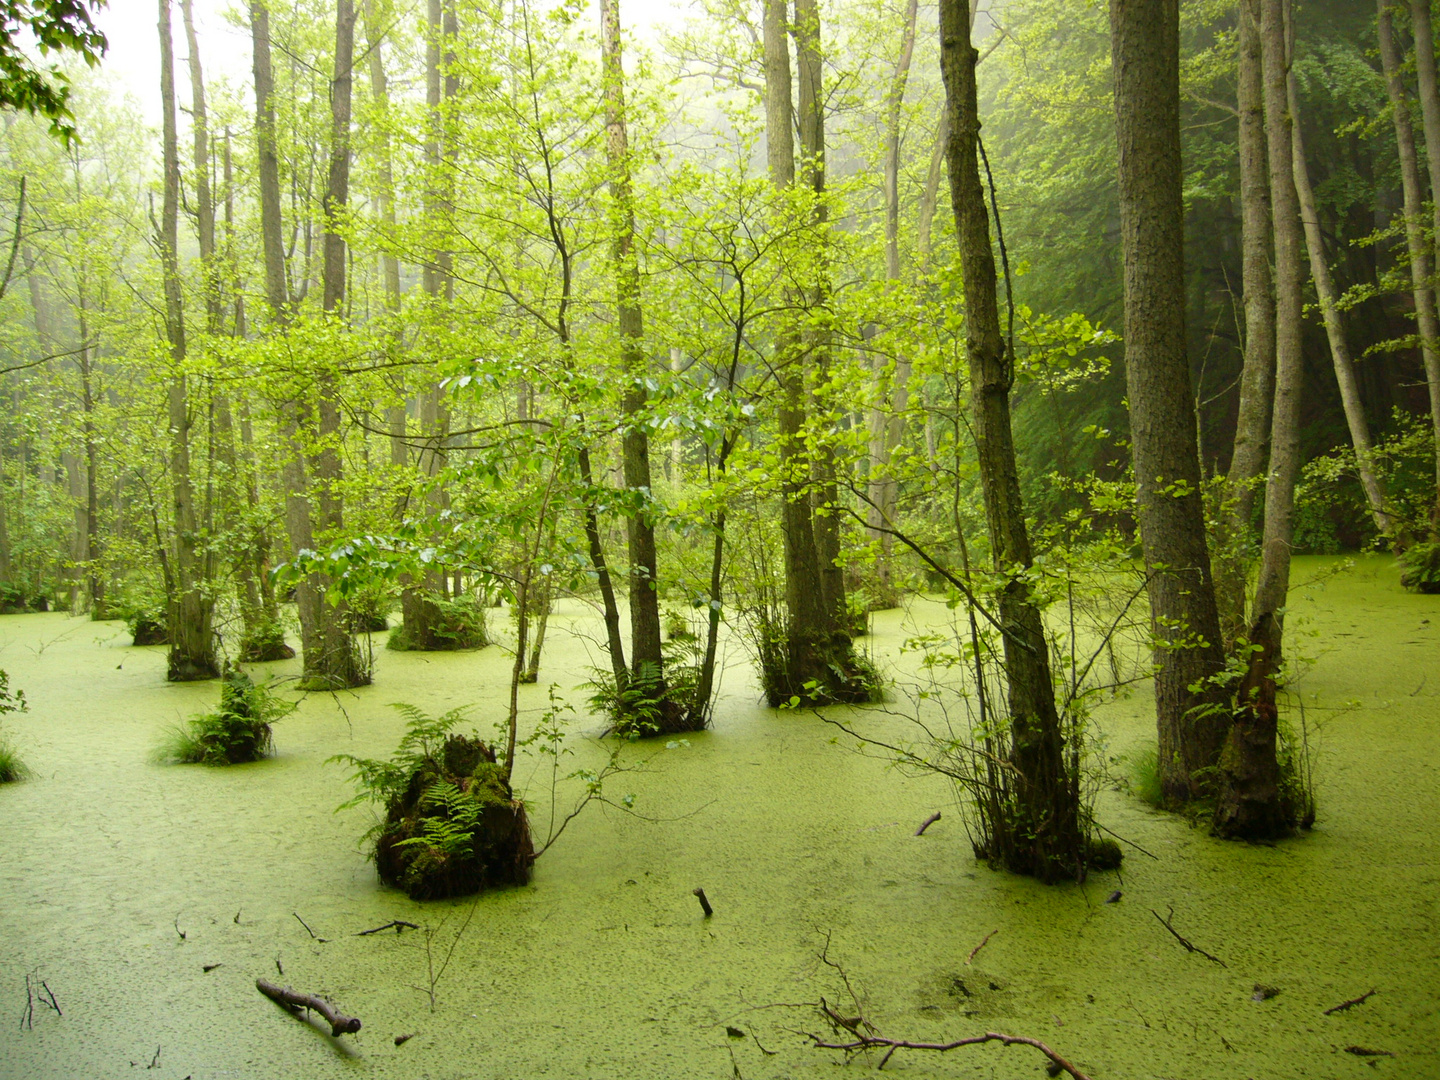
122 881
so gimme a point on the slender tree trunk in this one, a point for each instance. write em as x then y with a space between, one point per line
825 498
810 642
1328 295
1145 43
1257 377
1045 838
1249 802
339 664
385 208
646 662
1421 264
192 653
887 423
1430 113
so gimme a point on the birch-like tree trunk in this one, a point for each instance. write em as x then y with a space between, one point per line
1423 29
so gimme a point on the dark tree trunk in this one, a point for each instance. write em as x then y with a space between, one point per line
1145 43
1044 836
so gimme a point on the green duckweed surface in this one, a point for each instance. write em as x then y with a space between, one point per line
604 967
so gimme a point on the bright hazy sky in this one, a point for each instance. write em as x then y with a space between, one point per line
134 55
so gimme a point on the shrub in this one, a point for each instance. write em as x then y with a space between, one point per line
452 826
1420 568
237 732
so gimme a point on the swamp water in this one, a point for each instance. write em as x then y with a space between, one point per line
604 967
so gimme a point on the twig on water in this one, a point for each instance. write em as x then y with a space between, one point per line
970 959
155 1061
1349 1004
27 1017
1361 1051
927 823
398 924
865 1037
312 932
51 995
704 903
1165 922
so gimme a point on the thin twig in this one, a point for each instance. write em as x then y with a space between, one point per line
1349 1004
398 924
982 944
1165 922
927 823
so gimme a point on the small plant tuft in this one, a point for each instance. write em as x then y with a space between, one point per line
237 732
11 767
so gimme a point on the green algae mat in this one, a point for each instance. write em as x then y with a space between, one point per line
147 899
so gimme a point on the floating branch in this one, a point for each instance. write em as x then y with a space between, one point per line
398 924
700 895
1361 1051
970 959
340 1024
1165 922
1349 1004
865 1037
927 823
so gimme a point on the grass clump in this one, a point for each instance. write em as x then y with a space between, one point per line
237 732
452 825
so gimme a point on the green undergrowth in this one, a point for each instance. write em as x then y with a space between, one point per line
236 732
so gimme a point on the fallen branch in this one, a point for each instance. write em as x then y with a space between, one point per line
870 1039
927 823
1361 1051
1349 1004
340 1024
1165 922
398 924
969 959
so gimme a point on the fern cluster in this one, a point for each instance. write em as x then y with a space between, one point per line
237 732
451 825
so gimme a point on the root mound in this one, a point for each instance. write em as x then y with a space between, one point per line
457 828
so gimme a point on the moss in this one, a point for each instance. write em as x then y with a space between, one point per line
456 829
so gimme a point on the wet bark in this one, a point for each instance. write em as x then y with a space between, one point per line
1184 617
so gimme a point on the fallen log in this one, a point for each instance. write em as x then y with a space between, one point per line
340 1024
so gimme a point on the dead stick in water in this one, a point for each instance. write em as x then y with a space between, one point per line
398 924
1178 937
927 823
340 1024
982 944
1350 1004
700 895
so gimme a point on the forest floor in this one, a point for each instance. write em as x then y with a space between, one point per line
123 881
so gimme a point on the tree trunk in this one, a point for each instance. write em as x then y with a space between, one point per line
1043 836
824 498
339 664
646 662
1328 295
887 424
1430 114
1252 422
1249 803
1184 618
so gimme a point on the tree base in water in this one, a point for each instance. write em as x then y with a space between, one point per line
148 631
439 625
457 829
266 644
810 671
